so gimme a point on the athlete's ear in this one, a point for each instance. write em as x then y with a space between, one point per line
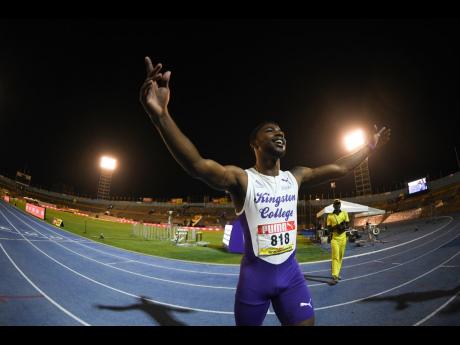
255 144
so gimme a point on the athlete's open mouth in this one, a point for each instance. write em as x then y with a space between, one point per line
279 141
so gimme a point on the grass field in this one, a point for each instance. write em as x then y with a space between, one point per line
120 235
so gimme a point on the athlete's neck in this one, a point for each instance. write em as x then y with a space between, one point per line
268 166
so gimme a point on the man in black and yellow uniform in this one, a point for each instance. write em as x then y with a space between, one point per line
337 222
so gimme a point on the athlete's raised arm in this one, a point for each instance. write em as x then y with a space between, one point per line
344 165
154 96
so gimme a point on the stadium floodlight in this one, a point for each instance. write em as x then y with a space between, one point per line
354 140
108 163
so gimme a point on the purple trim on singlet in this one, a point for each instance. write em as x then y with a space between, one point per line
248 250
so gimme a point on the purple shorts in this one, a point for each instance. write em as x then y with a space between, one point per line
284 285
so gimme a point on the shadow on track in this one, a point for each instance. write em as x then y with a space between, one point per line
403 301
158 312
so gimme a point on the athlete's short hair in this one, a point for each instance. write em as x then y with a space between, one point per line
252 136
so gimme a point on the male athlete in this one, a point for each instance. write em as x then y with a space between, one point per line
265 198
337 222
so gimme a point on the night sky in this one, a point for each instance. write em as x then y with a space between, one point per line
69 93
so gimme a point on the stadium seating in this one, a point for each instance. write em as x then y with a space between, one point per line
442 198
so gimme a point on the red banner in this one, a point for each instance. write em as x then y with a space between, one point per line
37 211
6 198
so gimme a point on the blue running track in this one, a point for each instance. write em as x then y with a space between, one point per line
49 276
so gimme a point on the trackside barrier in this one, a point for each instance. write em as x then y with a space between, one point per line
152 232
166 232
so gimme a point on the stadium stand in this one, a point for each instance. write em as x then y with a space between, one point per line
441 198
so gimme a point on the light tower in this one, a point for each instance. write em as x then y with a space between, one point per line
107 165
362 178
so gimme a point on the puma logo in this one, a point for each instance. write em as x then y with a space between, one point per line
285 180
259 184
303 304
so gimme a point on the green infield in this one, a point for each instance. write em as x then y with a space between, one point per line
122 236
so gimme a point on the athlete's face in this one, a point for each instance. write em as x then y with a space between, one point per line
270 138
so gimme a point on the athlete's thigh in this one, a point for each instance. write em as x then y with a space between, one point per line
294 304
308 322
252 297
250 314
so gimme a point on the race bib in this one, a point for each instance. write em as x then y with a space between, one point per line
276 238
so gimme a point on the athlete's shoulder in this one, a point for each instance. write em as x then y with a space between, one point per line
234 170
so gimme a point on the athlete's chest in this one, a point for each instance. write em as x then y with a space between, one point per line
274 215
275 197
274 185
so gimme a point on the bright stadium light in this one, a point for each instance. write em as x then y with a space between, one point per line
108 163
354 140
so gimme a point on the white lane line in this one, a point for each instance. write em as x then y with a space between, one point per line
388 290
118 262
162 258
118 290
42 240
392 255
127 271
37 221
426 318
390 268
52 301
6 230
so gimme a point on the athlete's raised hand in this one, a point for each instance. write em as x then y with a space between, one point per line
154 93
380 137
